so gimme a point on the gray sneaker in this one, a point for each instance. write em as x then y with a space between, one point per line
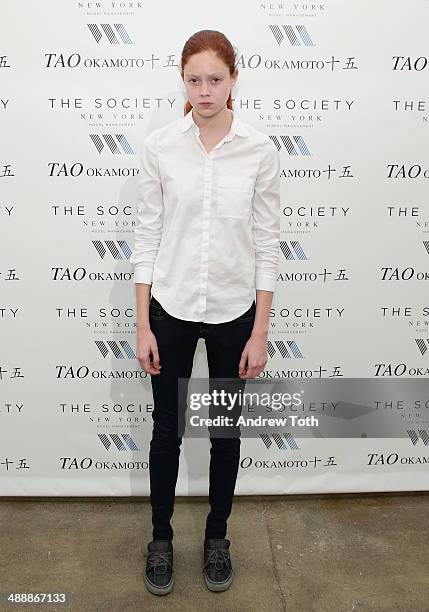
159 573
218 572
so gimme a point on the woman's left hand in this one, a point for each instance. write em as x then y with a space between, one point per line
255 353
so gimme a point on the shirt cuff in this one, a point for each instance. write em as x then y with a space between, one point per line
143 275
266 283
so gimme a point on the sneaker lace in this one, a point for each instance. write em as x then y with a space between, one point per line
221 557
159 561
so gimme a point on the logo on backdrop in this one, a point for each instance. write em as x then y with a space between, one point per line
287 350
120 442
294 145
118 249
114 33
119 349
295 35
116 143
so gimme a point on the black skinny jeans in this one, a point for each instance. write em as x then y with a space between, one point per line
177 340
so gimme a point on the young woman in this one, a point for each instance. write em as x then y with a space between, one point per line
206 240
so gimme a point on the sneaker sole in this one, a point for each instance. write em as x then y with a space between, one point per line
218 586
159 590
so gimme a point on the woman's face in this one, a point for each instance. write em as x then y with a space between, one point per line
207 79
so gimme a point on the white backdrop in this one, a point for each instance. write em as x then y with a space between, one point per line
341 88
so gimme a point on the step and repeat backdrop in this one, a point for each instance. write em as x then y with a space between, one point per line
341 89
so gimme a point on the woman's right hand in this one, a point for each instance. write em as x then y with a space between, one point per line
147 344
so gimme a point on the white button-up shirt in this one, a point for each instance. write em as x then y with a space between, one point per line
208 224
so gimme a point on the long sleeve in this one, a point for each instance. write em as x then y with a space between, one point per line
150 210
266 217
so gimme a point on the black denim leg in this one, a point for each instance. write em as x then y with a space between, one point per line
225 343
177 341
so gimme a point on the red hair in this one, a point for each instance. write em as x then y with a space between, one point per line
209 40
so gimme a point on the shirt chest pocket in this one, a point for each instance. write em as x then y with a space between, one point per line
234 196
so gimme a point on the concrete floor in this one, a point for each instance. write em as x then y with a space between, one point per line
300 553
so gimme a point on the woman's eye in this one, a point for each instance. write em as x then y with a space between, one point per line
194 80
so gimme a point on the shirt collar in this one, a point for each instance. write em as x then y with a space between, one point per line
237 126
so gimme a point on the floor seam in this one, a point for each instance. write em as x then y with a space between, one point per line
273 560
